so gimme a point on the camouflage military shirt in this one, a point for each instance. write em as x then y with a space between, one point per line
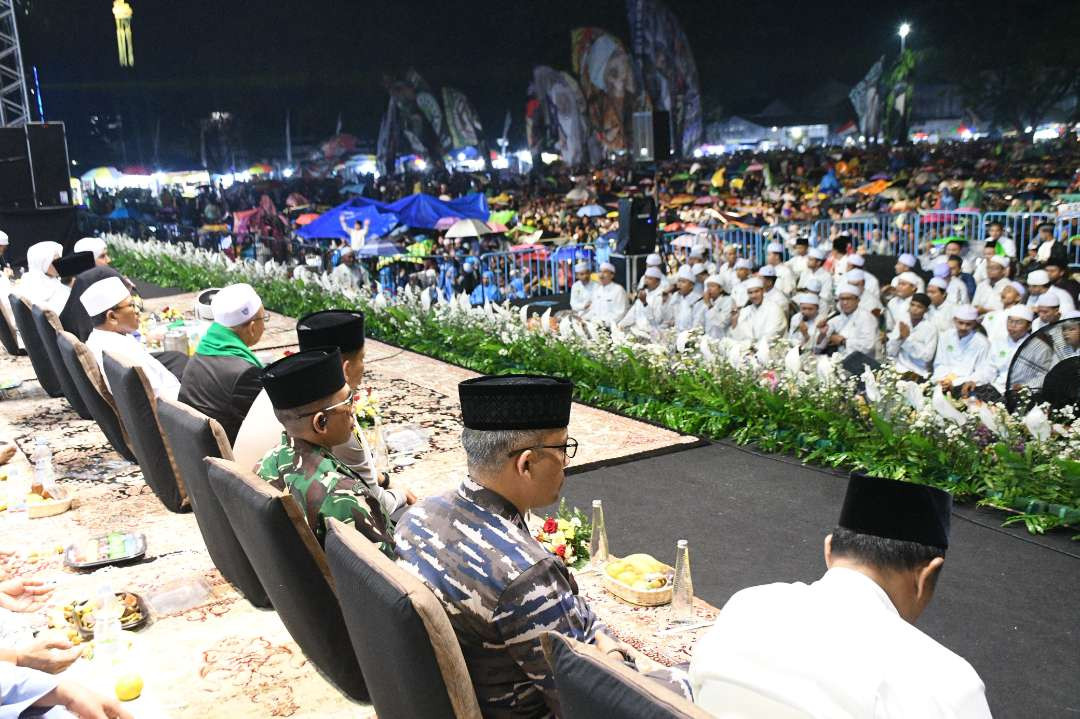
501 590
324 487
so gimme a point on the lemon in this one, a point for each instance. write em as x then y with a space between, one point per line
129 687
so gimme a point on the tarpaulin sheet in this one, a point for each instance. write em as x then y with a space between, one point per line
420 211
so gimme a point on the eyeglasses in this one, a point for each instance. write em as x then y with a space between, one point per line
569 449
349 402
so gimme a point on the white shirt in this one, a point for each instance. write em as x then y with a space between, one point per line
825 278
915 353
797 264
796 336
859 330
718 317
357 237
1067 305
48 293
608 303
164 383
897 311
942 315
988 294
687 311
966 359
759 322
650 315
581 294
836 648
1002 350
785 278
779 298
957 291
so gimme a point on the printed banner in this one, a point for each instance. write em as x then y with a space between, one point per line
606 75
866 99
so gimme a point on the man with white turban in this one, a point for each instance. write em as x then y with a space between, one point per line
608 302
650 309
851 330
718 308
1018 320
988 292
758 320
912 341
582 289
904 286
41 284
815 269
687 310
785 278
803 330
97 246
961 363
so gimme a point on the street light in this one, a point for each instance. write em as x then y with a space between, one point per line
905 30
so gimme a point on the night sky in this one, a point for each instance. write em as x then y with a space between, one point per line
320 58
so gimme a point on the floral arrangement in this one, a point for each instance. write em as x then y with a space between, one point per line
567 536
767 395
366 409
169 314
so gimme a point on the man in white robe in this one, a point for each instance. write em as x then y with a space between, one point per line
1011 294
650 308
988 292
1002 350
797 262
773 293
582 290
785 278
803 330
758 320
98 247
815 269
913 339
941 309
904 287
687 309
1039 284
115 317
961 362
871 285
852 329
718 308
743 267
867 300
608 302
846 645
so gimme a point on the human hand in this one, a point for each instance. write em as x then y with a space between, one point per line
410 498
611 647
836 339
40 654
904 330
822 323
83 703
946 384
23 595
967 388
7 451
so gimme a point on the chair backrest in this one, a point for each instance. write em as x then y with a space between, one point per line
592 685
7 330
32 342
394 620
47 326
136 403
292 568
193 437
86 375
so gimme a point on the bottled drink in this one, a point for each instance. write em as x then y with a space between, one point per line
682 593
598 546
108 636
42 467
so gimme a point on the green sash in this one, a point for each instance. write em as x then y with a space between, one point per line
220 341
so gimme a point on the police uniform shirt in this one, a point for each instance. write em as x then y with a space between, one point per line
500 589
834 648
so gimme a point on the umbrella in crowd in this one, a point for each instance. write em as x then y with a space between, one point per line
445 223
578 194
591 211
705 200
468 228
680 200
378 249
307 218
101 175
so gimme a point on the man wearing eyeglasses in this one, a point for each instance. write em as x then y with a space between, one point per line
499 586
222 378
115 317
314 404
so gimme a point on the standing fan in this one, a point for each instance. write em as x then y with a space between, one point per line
1048 364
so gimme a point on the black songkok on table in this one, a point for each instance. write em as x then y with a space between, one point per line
304 377
891 509
73 264
331 328
515 402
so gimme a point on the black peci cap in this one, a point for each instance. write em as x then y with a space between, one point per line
73 264
515 401
897 510
303 377
343 329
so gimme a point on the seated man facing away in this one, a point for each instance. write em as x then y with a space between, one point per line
261 431
500 587
114 316
222 378
846 645
314 403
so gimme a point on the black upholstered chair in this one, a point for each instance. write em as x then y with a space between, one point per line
592 685
193 437
292 567
7 331
43 368
86 376
48 325
136 405
394 621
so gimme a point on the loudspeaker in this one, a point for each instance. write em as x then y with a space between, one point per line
652 136
34 167
49 163
637 226
16 182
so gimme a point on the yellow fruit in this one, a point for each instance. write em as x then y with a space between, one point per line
34 499
129 687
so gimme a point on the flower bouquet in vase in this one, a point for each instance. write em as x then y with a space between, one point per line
566 535
369 429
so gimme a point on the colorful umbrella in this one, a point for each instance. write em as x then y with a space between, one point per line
445 223
591 211
680 200
468 228
101 175
706 200
306 219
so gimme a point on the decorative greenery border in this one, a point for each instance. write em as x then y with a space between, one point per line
821 423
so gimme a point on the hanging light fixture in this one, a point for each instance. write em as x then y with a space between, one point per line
123 12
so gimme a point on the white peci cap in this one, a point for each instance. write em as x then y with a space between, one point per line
805 298
908 259
813 284
855 275
655 273
743 264
581 266
685 273
697 252
848 289
234 305
767 271
816 253
966 313
1038 277
104 295
909 277
714 280
775 247
1020 312
91 244
1049 299
607 267
938 282
856 260
754 283
654 260
3 239
1000 260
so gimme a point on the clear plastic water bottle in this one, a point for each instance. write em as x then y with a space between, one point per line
682 592
44 476
108 636
598 545
17 487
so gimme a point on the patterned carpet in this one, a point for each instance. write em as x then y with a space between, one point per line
206 651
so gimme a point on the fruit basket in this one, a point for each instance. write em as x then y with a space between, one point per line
639 579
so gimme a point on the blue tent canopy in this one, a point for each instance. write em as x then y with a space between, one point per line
421 211
123 213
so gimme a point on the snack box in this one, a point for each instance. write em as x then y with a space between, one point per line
112 548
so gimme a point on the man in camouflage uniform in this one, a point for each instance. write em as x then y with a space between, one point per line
500 587
314 404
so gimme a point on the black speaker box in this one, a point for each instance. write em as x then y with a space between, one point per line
637 226
16 182
34 167
661 127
